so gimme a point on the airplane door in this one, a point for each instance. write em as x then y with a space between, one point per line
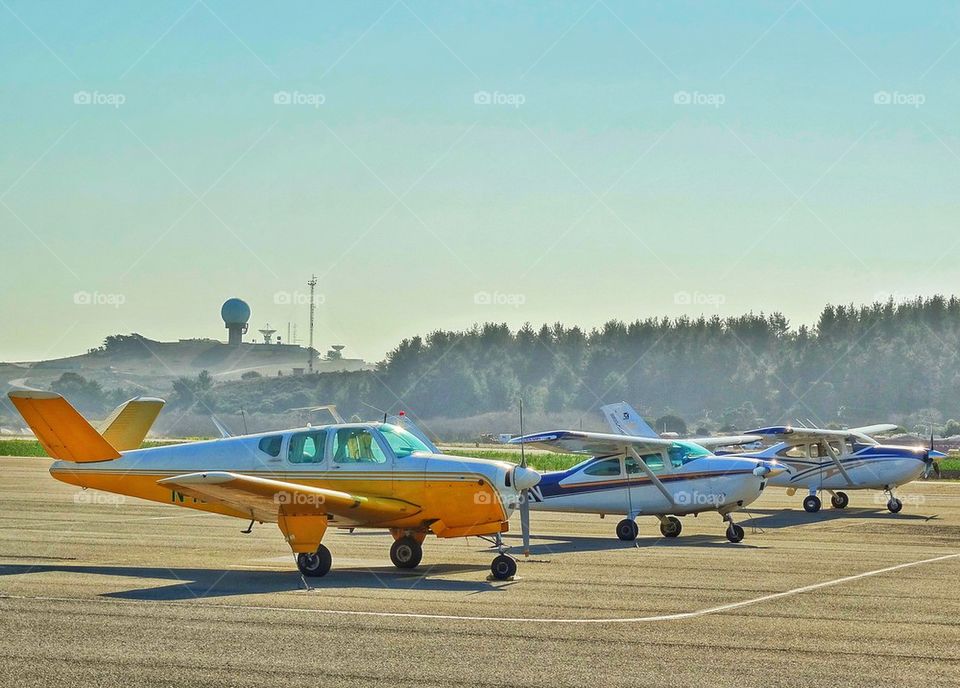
362 462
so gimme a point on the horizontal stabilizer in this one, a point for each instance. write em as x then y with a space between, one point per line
130 422
61 430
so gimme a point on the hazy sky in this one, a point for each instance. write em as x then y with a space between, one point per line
572 161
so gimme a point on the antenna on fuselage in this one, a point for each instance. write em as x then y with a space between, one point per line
244 417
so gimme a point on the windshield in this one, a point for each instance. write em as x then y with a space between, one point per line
402 442
684 452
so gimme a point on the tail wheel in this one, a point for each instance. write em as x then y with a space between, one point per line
811 504
670 526
734 533
406 553
315 564
503 567
840 500
894 505
627 530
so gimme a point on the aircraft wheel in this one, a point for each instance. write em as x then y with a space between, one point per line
315 564
811 504
840 500
670 527
734 533
503 567
406 553
628 530
894 505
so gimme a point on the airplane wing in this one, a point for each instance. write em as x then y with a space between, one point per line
790 433
592 443
874 429
263 498
712 443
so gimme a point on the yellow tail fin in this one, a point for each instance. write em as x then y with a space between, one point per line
63 432
130 422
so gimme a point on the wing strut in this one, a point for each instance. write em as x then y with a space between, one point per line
836 460
650 474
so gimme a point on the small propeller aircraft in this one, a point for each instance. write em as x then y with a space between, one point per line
345 475
818 460
635 472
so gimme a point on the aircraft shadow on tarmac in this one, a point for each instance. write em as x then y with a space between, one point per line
787 518
195 583
579 543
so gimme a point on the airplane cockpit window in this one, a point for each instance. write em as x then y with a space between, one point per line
403 442
307 447
356 445
684 452
271 445
607 468
837 448
797 451
818 450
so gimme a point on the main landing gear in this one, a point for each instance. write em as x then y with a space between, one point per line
627 530
406 553
670 526
315 564
839 500
812 503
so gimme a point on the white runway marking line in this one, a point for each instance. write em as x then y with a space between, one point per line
521 619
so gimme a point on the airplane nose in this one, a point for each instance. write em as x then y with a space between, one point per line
525 478
768 469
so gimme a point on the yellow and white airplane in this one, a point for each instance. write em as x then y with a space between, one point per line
345 475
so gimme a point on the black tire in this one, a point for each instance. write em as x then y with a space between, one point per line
315 564
627 530
734 533
811 504
406 553
503 567
839 500
894 505
670 527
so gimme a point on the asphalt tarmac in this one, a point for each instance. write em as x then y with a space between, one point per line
102 590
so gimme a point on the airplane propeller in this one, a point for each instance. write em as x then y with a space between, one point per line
524 495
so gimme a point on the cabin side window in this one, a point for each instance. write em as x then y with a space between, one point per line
356 445
271 445
606 468
307 447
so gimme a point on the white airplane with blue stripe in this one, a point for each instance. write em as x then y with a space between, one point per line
634 472
820 460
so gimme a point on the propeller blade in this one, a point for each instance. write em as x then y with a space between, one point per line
525 521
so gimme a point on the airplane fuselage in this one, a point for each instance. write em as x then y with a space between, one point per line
470 496
706 484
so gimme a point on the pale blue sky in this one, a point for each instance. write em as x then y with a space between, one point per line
782 186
